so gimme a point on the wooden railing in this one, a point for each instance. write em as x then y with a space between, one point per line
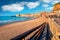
35 36
55 29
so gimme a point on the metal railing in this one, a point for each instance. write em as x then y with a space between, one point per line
35 36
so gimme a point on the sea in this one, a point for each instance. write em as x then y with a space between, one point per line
4 20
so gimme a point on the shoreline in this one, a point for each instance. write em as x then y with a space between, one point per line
7 23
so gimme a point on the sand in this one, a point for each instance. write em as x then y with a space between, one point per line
12 30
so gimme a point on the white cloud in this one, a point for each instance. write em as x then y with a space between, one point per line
19 6
47 1
51 1
23 3
32 5
49 8
55 1
12 7
45 5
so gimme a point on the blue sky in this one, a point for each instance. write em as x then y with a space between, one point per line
13 7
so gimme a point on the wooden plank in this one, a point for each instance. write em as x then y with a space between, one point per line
54 28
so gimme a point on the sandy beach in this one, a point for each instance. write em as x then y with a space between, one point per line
10 31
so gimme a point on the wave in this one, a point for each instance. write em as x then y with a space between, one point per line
5 21
8 20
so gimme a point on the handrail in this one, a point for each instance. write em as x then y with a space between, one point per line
38 32
54 28
23 35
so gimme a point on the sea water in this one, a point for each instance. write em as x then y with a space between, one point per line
11 19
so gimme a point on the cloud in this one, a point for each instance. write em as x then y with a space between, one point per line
32 5
19 6
55 1
51 1
45 5
49 8
46 1
23 3
12 7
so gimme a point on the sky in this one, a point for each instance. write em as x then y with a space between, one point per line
13 7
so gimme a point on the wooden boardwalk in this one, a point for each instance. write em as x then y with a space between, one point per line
55 29
46 32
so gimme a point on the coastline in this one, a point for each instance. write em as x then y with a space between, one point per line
7 23
12 30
